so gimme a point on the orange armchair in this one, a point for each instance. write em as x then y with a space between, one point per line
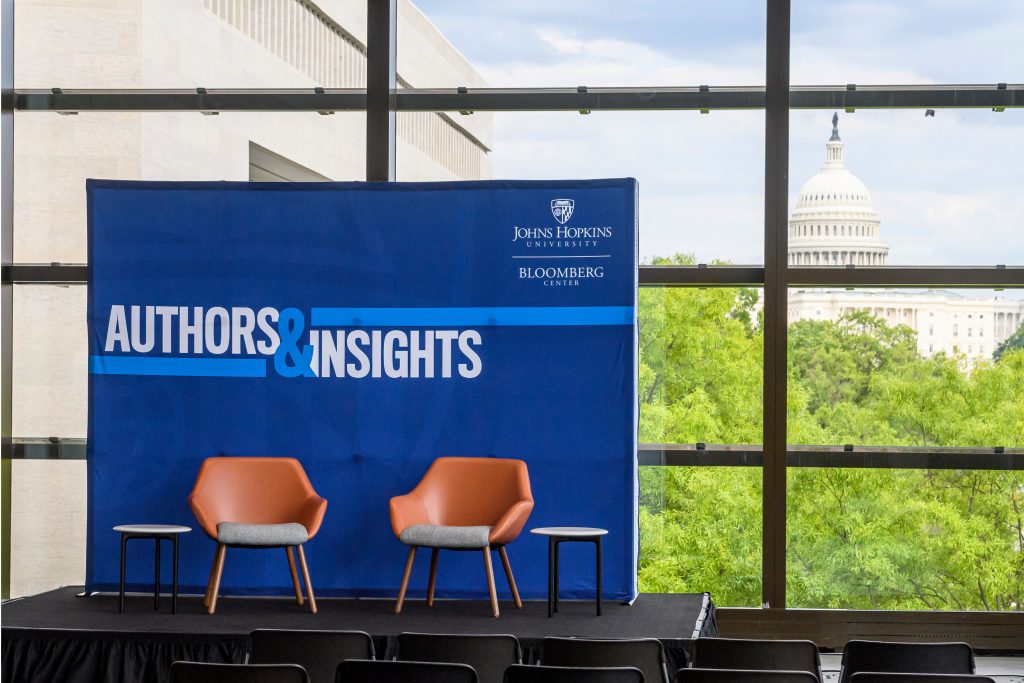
256 503
464 504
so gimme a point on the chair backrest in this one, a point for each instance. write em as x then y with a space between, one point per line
386 671
197 672
742 676
917 658
489 655
874 677
318 652
520 673
472 491
645 654
250 491
757 655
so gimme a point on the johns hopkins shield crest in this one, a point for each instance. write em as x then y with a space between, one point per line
561 209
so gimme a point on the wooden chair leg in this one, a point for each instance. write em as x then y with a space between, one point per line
405 580
433 577
295 574
511 581
490 582
209 581
222 550
305 577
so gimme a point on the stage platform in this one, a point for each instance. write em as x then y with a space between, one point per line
57 636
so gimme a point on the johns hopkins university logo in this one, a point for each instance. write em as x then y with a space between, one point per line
561 209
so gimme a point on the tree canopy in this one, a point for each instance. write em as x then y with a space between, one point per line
858 537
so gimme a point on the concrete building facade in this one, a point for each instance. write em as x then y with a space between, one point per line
164 45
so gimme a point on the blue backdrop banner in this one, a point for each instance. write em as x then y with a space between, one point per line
365 329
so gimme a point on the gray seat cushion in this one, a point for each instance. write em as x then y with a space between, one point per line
233 533
438 536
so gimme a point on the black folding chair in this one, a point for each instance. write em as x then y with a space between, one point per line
913 658
742 676
489 655
318 652
519 673
874 677
385 671
198 672
645 654
757 655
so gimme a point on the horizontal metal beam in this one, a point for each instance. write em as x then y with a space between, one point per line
701 276
689 455
45 273
861 457
52 448
581 99
686 276
650 276
294 100
693 98
907 276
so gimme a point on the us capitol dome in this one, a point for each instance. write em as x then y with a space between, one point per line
834 223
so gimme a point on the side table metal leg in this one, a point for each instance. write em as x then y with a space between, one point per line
156 574
124 542
174 572
557 543
551 573
598 542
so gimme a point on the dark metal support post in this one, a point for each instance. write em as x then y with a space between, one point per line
776 190
7 228
156 575
381 56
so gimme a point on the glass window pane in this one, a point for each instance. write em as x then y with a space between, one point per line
700 380
213 43
893 42
904 539
896 187
527 43
50 371
53 155
900 367
700 530
700 365
701 176
443 146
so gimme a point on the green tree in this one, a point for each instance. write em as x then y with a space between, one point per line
1011 343
869 538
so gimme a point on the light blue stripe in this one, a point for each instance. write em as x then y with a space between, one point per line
178 367
472 317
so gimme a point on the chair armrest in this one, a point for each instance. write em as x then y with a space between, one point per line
406 511
311 514
511 523
206 520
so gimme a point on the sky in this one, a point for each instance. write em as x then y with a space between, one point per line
949 189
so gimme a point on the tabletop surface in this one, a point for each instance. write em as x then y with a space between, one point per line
569 531
152 529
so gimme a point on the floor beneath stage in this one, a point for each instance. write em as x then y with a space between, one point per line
663 616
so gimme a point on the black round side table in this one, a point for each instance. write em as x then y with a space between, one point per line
157 532
563 534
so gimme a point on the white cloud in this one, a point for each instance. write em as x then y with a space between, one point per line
948 188
701 176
